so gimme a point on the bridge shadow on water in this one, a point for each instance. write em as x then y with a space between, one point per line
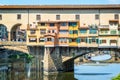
27 71
21 75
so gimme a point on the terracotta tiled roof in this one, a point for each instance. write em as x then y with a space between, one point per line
115 6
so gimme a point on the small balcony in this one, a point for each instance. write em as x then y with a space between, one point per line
83 33
73 44
113 32
64 43
108 44
32 27
49 43
41 41
93 44
64 35
104 27
93 34
73 27
50 34
73 35
32 41
83 27
82 44
63 27
104 32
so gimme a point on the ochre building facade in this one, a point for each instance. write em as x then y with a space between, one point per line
62 25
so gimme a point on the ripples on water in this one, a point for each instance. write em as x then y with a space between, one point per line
81 72
20 74
96 71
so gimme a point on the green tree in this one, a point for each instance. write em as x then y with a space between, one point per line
116 77
28 58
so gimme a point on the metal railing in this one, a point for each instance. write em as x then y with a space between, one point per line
104 26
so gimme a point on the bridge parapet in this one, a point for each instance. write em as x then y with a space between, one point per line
12 43
17 48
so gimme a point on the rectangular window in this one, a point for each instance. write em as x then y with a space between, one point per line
38 17
42 24
78 40
73 40
83 31
93 40
113 41
53 31
49 31
71 32
63 24
104 31
52 24
63 40
93 31
57 17
96 16
33 40
103 41
116 16
72 23
41 40
113 32
63 31
32 31
119 32
75 31
83 40
0 17
77 17
42 31
18 16
49 39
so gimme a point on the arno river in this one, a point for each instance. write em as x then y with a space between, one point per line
88 71
96 71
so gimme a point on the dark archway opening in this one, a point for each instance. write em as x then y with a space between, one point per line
3 33
17 34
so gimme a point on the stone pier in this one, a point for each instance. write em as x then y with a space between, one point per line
58 59
38 53
52 60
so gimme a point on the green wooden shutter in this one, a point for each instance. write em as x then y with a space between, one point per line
78 40
90 40
86 40
100 41
97 41
70 40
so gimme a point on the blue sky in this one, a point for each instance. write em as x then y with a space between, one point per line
56 2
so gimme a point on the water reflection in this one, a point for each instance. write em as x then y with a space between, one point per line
25 71
38 76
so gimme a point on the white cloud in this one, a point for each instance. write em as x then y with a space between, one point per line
113 1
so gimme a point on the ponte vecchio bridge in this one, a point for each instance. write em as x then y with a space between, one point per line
56 35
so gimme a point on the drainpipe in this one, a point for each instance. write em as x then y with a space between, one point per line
98 28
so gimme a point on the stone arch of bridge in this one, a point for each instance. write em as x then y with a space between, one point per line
93 51
6 52
68 64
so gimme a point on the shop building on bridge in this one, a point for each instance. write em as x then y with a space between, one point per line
62 25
